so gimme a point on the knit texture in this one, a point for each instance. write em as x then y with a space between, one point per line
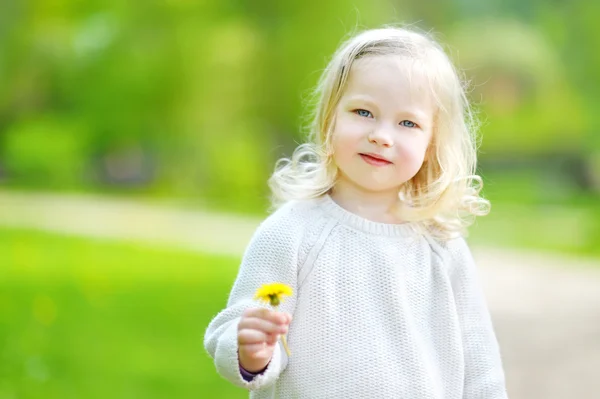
379 311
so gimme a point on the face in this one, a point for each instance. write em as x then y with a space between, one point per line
383 125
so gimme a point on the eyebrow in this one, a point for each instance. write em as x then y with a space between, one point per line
420 116
361 98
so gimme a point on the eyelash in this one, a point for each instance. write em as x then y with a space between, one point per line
358 111
410 127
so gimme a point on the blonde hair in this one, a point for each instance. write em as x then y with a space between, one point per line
444 194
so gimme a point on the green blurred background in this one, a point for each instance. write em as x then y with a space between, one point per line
190 103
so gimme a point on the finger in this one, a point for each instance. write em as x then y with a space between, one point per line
265 326
267 314
257 351
251 348
275 317
256 312
249 312
288 317
249 336
272 339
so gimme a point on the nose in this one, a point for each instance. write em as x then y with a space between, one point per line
381 136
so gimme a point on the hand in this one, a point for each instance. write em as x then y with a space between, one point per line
258 331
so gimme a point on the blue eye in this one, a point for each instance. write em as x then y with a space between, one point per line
364 113
407 123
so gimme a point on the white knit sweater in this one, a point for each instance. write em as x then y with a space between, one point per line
378 311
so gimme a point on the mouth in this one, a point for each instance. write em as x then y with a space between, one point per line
374 159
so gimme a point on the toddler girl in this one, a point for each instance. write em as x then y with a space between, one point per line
367 232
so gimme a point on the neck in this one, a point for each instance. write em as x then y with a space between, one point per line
375 206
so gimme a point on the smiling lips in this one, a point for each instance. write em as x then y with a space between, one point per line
375 160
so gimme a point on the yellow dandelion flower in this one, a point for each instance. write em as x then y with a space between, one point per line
273 294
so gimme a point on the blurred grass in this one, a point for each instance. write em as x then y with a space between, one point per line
548 228
86 318
536 211
83 318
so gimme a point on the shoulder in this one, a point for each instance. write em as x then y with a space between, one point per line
454 252
293 216
288 225
455 247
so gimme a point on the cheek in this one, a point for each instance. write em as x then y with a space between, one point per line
414 150
343 149
347 134
348 124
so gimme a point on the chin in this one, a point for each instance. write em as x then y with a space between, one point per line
379 188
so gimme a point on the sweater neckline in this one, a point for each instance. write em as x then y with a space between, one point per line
360 223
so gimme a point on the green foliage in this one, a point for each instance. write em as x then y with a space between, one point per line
214 92
521 87
46 153
546 228
90 319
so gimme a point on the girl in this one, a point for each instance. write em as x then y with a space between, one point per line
367 232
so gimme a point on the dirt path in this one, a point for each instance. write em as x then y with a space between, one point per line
546 308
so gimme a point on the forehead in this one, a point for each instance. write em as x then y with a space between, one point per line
388 77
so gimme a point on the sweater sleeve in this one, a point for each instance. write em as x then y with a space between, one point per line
484 374
271 256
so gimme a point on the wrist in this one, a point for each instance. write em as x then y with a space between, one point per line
253 373
252 366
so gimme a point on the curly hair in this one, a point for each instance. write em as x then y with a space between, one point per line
444 195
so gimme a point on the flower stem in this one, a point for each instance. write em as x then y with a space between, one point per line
284 342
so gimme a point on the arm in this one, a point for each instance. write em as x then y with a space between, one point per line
484 374
270 257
